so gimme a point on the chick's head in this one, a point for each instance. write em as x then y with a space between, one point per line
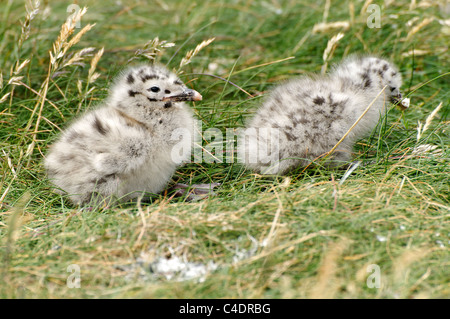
151 86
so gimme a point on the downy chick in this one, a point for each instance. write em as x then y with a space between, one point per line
131 144
303 119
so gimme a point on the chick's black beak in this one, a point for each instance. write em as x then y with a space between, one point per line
187 95
396 96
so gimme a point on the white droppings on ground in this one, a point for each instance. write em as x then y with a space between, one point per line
241 254
179 269
175 268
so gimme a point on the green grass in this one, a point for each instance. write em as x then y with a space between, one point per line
322 235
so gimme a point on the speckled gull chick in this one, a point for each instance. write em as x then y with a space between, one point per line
131 144
304 118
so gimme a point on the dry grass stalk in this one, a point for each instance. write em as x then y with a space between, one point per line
428 121
151 49
425 149
418 27
225 80
325 155
32 8
92 75
46 119
144 222
284 246
78 37
4 97
19 67
301 42
14 173
365 6
415 52
268 239
404 261
11 167
354 124
351 9
60 48
38 94
327 285
324 27
15 79
15 220
74 59
326 10
329 50
431 116
261 65
191 53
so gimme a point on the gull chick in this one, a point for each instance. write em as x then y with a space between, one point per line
131 144
303 119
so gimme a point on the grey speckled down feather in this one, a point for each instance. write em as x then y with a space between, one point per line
304 118
132 143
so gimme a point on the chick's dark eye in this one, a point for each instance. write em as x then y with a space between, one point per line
154 89
167 91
